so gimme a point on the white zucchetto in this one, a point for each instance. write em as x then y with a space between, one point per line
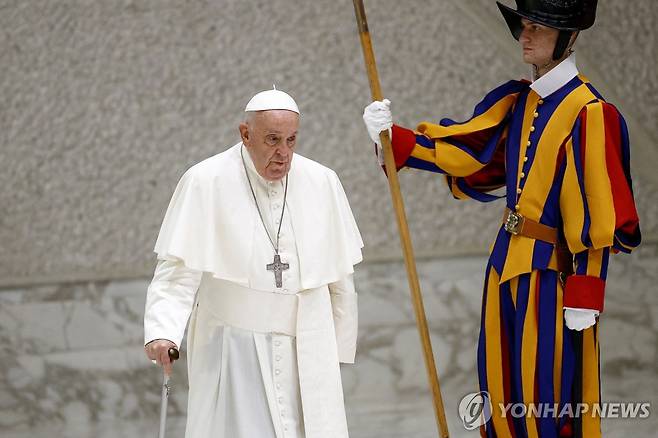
272 100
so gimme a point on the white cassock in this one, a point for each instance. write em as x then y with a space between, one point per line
263 361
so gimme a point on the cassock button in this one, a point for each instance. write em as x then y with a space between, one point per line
529 143
532 129
522 175
278 386
525 159
540 102
277 371
518 191
281 400
535 115
278 358
277 343
516 207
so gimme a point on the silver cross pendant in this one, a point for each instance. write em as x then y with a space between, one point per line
277 267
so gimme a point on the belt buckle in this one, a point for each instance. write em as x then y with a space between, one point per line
513 223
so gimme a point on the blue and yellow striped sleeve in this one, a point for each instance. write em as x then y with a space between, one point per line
471 153
596 201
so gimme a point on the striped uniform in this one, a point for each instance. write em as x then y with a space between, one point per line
564 161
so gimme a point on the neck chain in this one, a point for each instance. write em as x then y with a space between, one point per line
285 194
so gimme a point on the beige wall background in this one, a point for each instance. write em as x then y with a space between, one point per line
104 104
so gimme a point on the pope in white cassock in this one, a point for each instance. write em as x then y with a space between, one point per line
257 249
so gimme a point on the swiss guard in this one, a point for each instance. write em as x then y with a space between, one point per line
561 153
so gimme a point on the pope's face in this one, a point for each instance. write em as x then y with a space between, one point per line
270 138
538 42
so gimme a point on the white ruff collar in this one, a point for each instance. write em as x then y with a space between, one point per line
556 78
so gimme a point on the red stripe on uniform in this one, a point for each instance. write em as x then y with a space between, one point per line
625 212
476 140
403 141
492 175
584 292
561 154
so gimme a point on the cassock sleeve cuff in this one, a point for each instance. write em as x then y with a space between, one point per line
403 141
155 333
162 339
584 292
346 324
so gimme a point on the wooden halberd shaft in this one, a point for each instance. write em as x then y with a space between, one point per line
403 227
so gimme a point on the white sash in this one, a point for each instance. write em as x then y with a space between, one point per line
306 315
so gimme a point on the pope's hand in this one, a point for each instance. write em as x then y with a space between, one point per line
580 319
377 117
158 351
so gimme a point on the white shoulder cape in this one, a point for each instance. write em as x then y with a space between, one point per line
209 224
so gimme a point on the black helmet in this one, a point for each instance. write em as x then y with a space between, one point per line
567 16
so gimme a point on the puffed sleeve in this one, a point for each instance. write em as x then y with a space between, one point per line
471 154
596 201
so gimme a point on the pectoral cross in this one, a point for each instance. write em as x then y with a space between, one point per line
277 267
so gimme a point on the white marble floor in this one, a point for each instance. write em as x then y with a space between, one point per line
74 366
411 418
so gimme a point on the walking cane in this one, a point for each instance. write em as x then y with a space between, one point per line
398 205
173 355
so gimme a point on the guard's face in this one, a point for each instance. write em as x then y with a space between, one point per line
538 42
270 138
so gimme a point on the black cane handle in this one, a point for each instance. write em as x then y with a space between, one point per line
173 354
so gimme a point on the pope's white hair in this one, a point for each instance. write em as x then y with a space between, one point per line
249 117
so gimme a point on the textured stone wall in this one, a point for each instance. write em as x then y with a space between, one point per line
73 364
104 104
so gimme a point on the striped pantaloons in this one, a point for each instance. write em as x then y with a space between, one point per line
529 362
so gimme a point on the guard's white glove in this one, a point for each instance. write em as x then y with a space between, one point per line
377 117
579 319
